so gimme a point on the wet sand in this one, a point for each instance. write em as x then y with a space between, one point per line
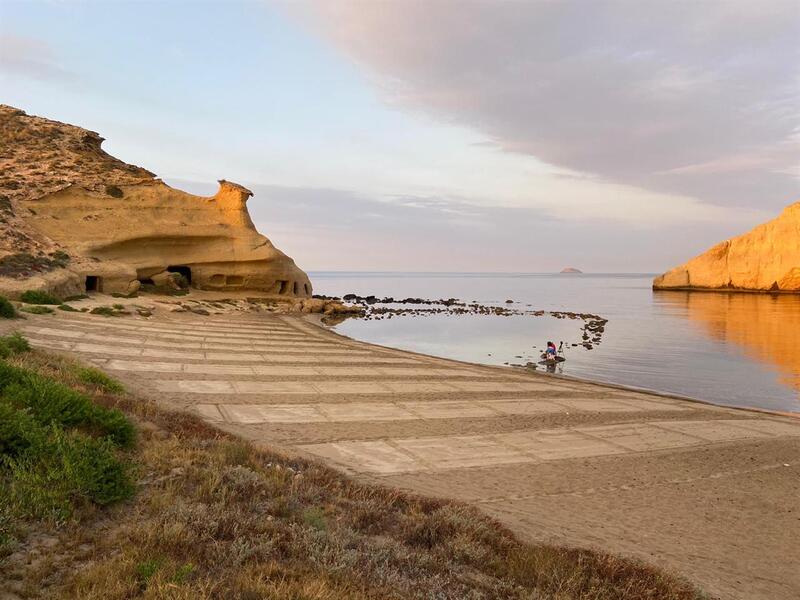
708 492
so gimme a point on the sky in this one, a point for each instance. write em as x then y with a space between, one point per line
438 135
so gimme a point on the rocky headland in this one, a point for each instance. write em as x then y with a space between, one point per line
766 259
75 219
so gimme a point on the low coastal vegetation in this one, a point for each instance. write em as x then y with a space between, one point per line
91 510
39 297
59 451
7 310
37 309
24 264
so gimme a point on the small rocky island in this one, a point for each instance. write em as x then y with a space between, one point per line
571 270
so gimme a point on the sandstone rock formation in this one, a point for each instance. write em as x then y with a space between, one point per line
764 259
571 270
73 218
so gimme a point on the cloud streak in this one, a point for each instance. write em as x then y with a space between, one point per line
696 99
30 57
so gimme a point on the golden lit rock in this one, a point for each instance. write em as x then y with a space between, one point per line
764 259
62 195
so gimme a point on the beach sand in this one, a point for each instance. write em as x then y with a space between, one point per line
707 492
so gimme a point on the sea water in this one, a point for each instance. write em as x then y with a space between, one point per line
737 349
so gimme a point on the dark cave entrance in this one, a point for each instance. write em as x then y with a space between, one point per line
183 270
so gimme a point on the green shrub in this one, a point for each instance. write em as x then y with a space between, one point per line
68 308
10 375
37 310
96 377
73 298
13 344
18 429
7 310
115 425
61 470
39 297
51 402
106 311
46 471
17 342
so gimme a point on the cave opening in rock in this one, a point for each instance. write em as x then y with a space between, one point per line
183 270
93 283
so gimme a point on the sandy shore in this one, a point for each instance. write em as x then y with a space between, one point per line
711 493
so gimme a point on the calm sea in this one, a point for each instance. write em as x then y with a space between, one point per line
735 349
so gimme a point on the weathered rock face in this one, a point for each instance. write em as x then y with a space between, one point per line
75 218
764 259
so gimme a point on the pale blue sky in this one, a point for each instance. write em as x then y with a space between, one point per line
433 135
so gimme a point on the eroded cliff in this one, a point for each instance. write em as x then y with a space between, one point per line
764 259
73 217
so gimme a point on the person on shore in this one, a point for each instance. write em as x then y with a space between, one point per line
550 353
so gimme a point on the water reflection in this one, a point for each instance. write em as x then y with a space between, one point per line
765 326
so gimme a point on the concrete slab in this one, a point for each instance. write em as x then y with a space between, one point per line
272 387
640 437
558 444
527 407
144 367
50 343
232 356
195 387
103 349
351 387
421 387
461 451
210 369
365 411
288 371
349 371
334 359
156 353
377 457
273 413
449 410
